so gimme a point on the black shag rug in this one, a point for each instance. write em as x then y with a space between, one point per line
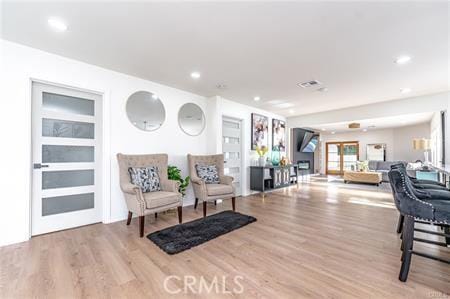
184 236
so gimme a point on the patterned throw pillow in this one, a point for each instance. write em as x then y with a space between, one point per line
208 173
146 178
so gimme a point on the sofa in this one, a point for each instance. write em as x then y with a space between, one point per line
383 167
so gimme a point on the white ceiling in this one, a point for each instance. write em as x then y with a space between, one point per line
255 49
376 123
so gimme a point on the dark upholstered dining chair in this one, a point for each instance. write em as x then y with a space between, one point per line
431 210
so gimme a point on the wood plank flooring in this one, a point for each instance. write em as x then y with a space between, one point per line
318 240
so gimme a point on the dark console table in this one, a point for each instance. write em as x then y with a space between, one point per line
265 178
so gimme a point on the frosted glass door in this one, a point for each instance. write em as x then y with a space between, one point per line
66 148
231 147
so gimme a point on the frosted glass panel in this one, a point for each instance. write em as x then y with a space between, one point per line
66 104
230 124
67 203
69 178
67 129
67 153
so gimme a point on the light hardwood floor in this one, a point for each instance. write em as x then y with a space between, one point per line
318 240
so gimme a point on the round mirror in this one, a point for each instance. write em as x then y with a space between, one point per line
145 111
191 119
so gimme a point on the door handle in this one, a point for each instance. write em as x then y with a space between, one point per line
39 165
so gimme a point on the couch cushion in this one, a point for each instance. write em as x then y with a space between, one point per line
218 189
146 178
160 198
373 165
208 173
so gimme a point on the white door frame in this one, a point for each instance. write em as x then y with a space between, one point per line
243 155
105 165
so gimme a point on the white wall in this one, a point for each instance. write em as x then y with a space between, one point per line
436 139
20 64
403 136
223 107
398 142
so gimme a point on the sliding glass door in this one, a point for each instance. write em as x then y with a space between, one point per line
341 156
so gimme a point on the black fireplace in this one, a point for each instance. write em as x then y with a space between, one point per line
304 165
305 160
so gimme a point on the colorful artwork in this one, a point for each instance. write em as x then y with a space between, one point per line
260 131
278 135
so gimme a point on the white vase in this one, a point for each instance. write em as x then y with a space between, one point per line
262 161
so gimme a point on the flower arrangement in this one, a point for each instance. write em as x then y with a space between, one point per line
262 151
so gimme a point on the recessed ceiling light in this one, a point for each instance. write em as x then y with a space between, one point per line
323 129
291 111
57 24
333 132
364 130
402 59
195 75
256 99
405 90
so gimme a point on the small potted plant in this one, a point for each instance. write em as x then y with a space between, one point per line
174 173
262 151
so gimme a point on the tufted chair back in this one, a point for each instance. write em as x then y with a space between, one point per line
405 200
205 160
127 161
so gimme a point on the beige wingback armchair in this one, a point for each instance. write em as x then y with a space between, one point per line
210 192
150 202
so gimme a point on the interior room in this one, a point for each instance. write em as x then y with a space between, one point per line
219 149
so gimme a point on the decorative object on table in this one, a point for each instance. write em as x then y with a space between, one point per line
182 237
284 161
145 111
261 151
275 156
376 152
279 134
174 173
260 131
424 145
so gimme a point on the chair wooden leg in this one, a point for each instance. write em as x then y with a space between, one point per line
204 208
408 239
447 231
141 225
401 219
130 214
180 214
156 215
196 203
233 203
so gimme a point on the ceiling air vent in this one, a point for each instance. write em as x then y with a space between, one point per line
311 83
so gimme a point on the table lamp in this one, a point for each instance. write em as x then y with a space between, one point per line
424 145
